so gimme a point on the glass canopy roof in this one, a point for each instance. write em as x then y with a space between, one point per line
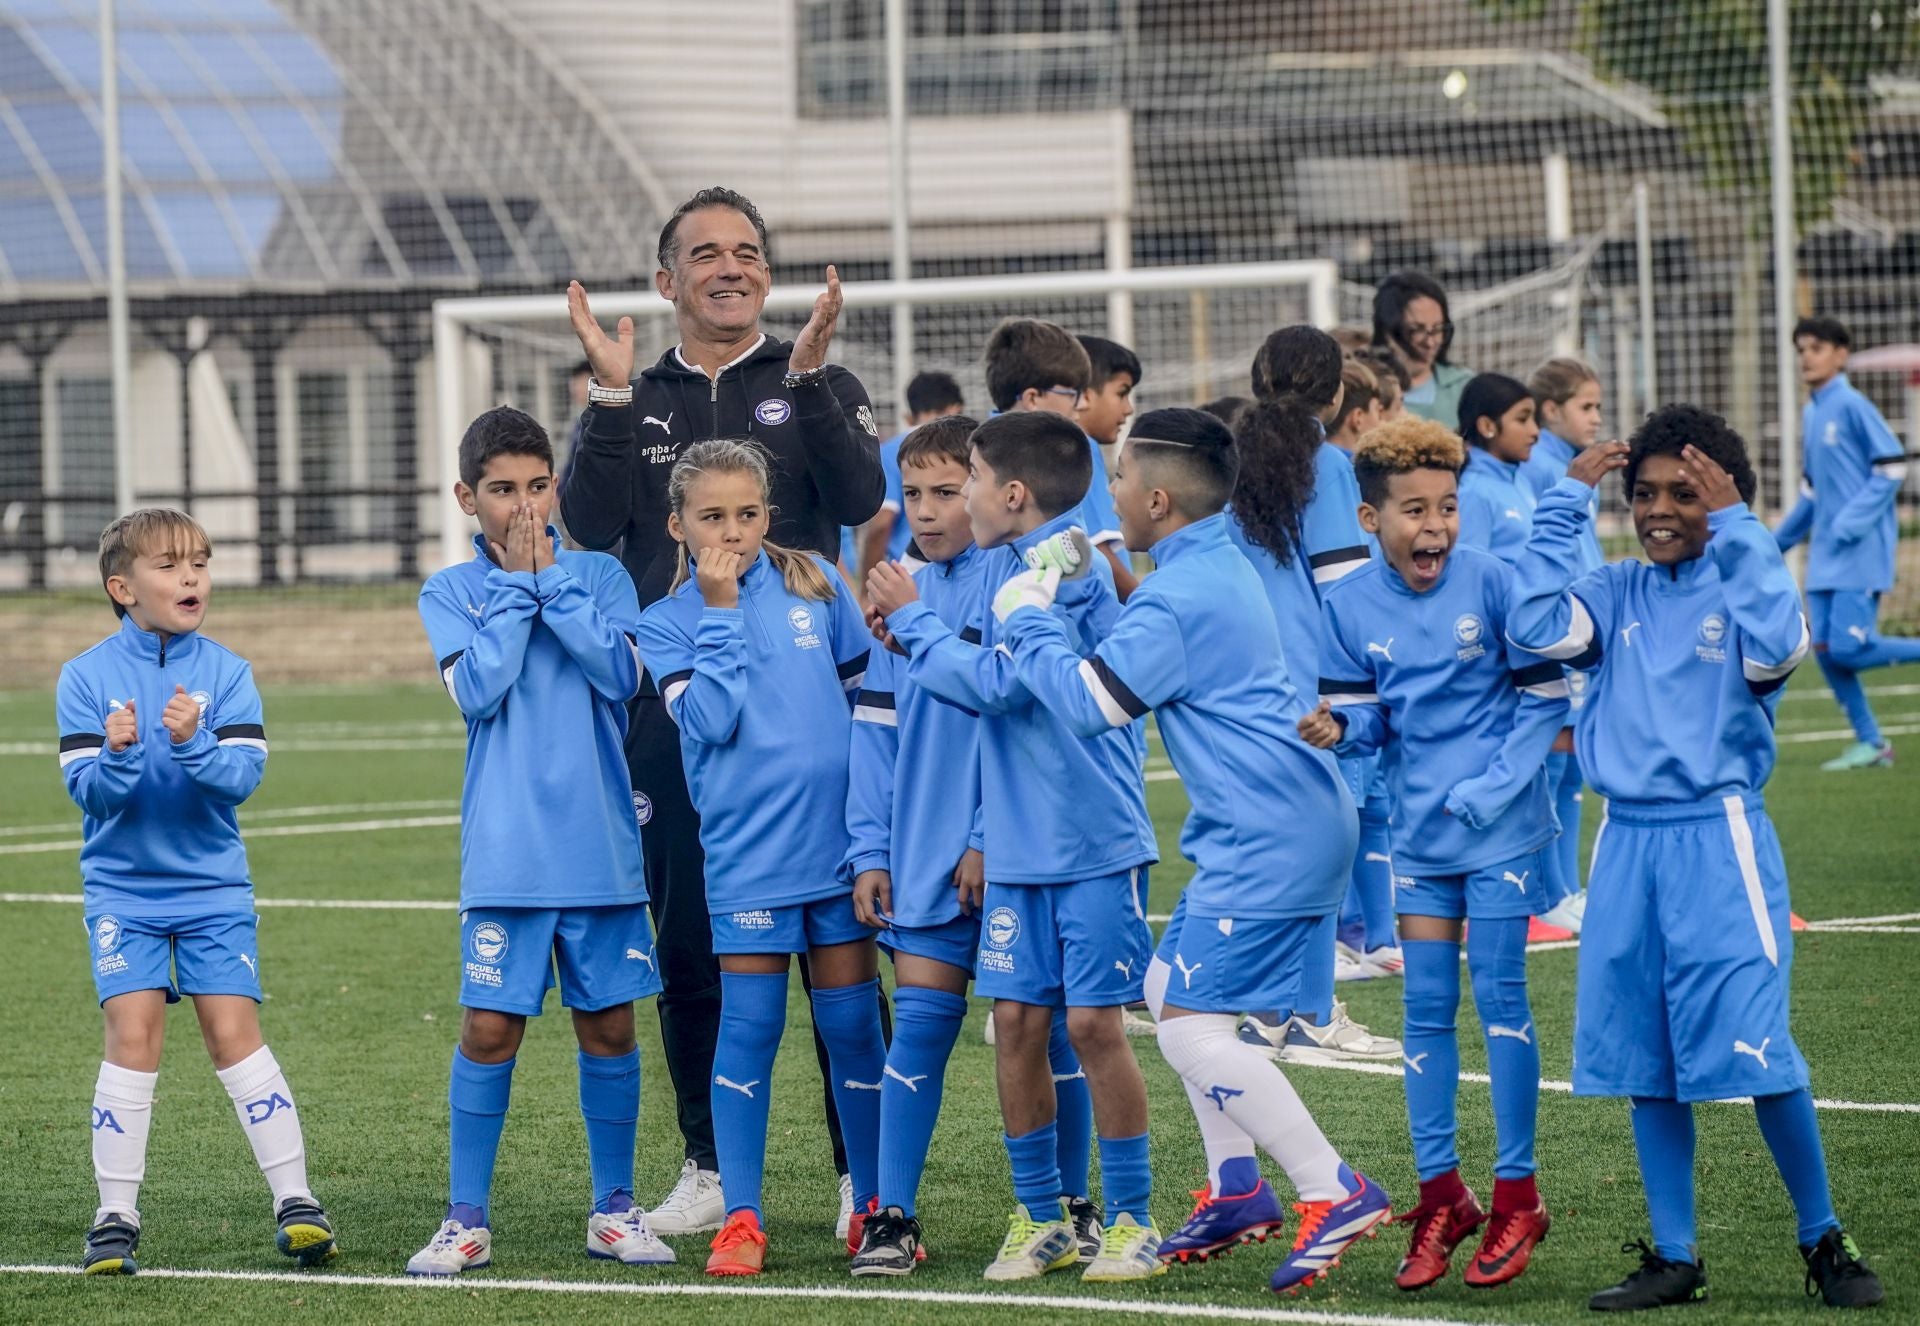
311 144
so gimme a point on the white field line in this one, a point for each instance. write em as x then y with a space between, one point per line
1844 734
253 816
1550 1084
311 904
299 745
1873 693
275 831
1053 1303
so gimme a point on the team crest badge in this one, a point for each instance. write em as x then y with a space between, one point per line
772 412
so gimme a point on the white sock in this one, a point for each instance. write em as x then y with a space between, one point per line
264 1102
1233 1078
122 1114
1154 990
1223 1138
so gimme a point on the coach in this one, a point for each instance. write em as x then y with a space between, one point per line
726 378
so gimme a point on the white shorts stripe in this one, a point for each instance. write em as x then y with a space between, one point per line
1750 875
1110 709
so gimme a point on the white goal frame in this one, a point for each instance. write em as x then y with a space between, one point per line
452 318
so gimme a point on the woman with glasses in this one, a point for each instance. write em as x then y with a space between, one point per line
1410 320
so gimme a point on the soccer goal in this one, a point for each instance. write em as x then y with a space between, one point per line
1195 329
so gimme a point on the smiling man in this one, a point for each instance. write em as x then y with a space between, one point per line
725 378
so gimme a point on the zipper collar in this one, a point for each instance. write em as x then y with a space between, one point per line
1479 458
150 646
484 555
736 361
1200 536
954 565
1035 537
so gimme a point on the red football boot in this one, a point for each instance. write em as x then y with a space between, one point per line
1446 1215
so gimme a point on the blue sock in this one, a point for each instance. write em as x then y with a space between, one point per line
1036 1172
925 1025
1073 1112
1352 930
610 1104
1846 687
1663 1139
1432 1049
1554 864
1569 802
1373 882
753 1013
1315 1000
848 1017
1497 962
1126 1178
1793 1135
477 1103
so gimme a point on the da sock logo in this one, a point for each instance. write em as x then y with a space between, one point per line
104 1119
259 1111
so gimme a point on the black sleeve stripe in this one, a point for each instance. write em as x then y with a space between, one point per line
1588 657
876 699
853 667
1337 556
1900 459
231 730
674 678
82 741
1335 686
1538 674
1768 687
970 636
1122 693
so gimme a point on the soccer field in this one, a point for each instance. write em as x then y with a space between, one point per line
354 845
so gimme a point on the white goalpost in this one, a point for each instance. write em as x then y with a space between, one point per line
1196 328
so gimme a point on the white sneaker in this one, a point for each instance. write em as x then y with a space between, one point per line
626 1238
695 1206
1348 965
841 1225
1128 1251
1341 1039
1387 960
1135 1025
454 1249
1569 912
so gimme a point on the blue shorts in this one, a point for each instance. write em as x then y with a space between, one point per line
1224 965
604 956
1684 956
794 928
1511 888
1366 779
953 942
183 955
1082 945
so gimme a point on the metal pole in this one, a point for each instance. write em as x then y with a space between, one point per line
1786 372
449 410
119 325
1643 261
901 219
